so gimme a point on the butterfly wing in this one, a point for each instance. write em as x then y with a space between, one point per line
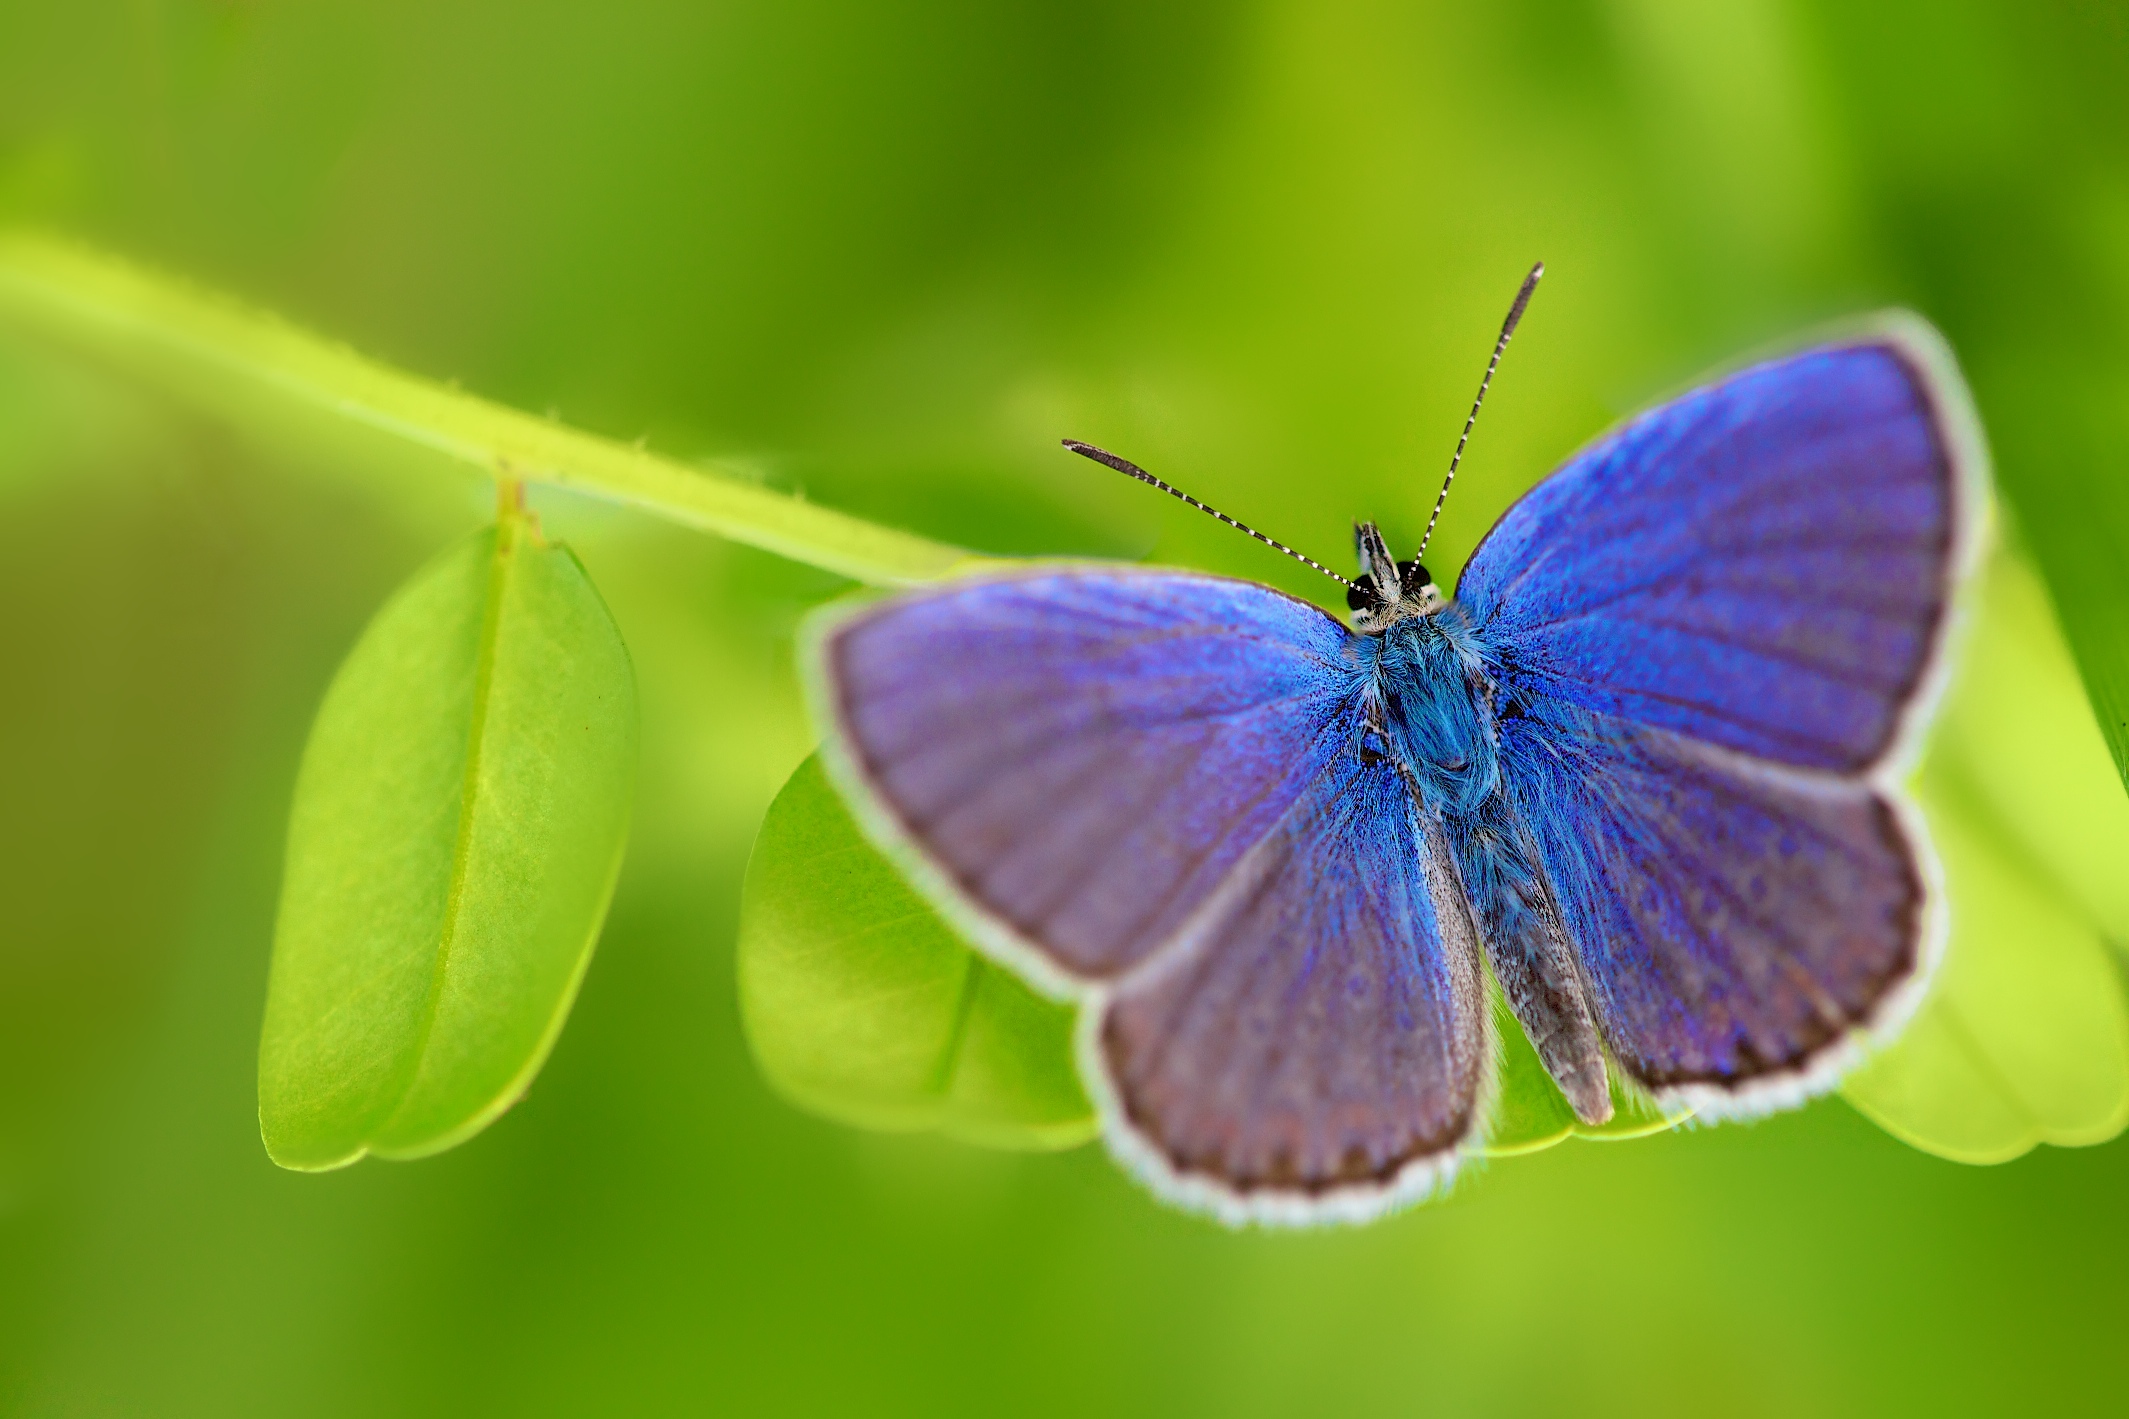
1717 632
1076 758
1765 564
1736 923
1139 787
1317 1044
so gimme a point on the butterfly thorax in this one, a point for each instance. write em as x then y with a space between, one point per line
1427 703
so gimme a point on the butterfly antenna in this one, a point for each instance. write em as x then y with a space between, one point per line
1515 314
1130 469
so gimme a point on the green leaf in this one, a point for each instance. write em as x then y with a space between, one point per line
1529 1111
2024 1037
1531 1114
2022 734
458 824
861 1004
2059 417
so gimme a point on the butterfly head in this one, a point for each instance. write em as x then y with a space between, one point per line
1388 590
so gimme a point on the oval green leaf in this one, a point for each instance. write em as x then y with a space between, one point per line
861 1004
458 824
2024 1036
2020 731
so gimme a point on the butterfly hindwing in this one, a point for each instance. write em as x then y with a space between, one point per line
1736 923
1321 1033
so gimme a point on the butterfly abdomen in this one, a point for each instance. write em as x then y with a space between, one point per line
1520 927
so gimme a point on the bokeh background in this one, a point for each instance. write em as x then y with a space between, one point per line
887 254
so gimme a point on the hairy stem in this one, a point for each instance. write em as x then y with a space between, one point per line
214 352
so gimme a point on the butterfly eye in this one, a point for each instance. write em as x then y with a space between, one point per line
1413 575
1359 596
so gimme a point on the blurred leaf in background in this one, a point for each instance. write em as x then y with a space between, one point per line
890 254
860 1002
2024 1036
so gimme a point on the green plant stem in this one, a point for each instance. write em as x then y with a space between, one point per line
212 351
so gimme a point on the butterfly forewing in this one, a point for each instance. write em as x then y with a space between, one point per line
1084 755
1765 563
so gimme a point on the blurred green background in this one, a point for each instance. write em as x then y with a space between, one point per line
887 255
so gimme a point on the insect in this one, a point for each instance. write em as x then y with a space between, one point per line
1643 769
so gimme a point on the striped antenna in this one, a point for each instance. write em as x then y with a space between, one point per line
1515 315
1130 469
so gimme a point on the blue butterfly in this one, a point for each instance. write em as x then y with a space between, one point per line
1644 769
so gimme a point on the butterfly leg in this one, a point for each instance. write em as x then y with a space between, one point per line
1528 951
